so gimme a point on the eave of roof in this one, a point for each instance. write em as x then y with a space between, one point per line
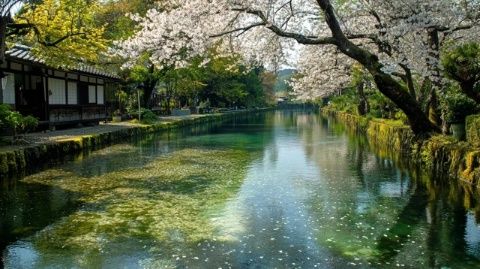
23 53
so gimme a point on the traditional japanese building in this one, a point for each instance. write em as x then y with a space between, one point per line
55 97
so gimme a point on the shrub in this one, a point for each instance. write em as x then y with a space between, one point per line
16 121
148 116
457 106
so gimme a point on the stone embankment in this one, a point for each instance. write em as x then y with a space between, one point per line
440 155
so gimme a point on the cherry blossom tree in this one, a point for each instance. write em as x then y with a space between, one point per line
323 71
374 33
410 34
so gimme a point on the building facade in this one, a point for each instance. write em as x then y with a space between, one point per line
55 97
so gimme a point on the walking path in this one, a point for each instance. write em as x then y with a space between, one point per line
37 138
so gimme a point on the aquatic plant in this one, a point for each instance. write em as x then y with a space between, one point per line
164 202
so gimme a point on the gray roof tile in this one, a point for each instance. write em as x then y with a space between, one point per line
23 53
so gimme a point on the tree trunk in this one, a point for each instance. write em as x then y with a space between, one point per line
409 81
363 106
388 86
433 113
168 98
150 84
3 45
147 95
419 122
434 53
424 93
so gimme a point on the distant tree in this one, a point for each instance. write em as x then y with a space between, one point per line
269 80
146 75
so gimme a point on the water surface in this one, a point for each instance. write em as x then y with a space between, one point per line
275 190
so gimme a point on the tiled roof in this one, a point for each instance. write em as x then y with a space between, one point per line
23 53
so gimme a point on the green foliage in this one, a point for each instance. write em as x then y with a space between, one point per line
462 63
221 81
64 31
360 75
148 117
122 98
269 80
346 102
5 110
16 121
457 105
473 129
381 106
112 14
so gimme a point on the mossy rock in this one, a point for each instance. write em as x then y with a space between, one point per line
3 163
32 154
473 129
471 173
441 155
11 162
20 159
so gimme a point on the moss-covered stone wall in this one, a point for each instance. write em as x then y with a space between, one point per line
443 156
20 161
473 129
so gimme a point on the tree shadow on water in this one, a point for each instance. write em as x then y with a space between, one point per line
28 208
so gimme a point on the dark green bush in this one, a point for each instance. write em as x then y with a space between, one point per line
148 116
16 121
457 105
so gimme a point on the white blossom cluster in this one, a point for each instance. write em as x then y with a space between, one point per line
324 72
409 29
7 7
178 30
398 32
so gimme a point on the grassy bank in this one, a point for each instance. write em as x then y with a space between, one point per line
441 155
20 160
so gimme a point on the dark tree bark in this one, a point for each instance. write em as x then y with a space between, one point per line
388 86
363 106
468 87
409 81
149 86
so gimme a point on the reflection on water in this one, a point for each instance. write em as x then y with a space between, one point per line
277 190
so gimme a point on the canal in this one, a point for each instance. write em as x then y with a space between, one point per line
280 189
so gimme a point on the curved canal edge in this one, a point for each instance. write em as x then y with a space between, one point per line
440 155
23 159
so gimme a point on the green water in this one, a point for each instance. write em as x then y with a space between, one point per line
275 190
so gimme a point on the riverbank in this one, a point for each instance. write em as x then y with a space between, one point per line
44 147
442 156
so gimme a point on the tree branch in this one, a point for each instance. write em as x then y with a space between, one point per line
302 39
